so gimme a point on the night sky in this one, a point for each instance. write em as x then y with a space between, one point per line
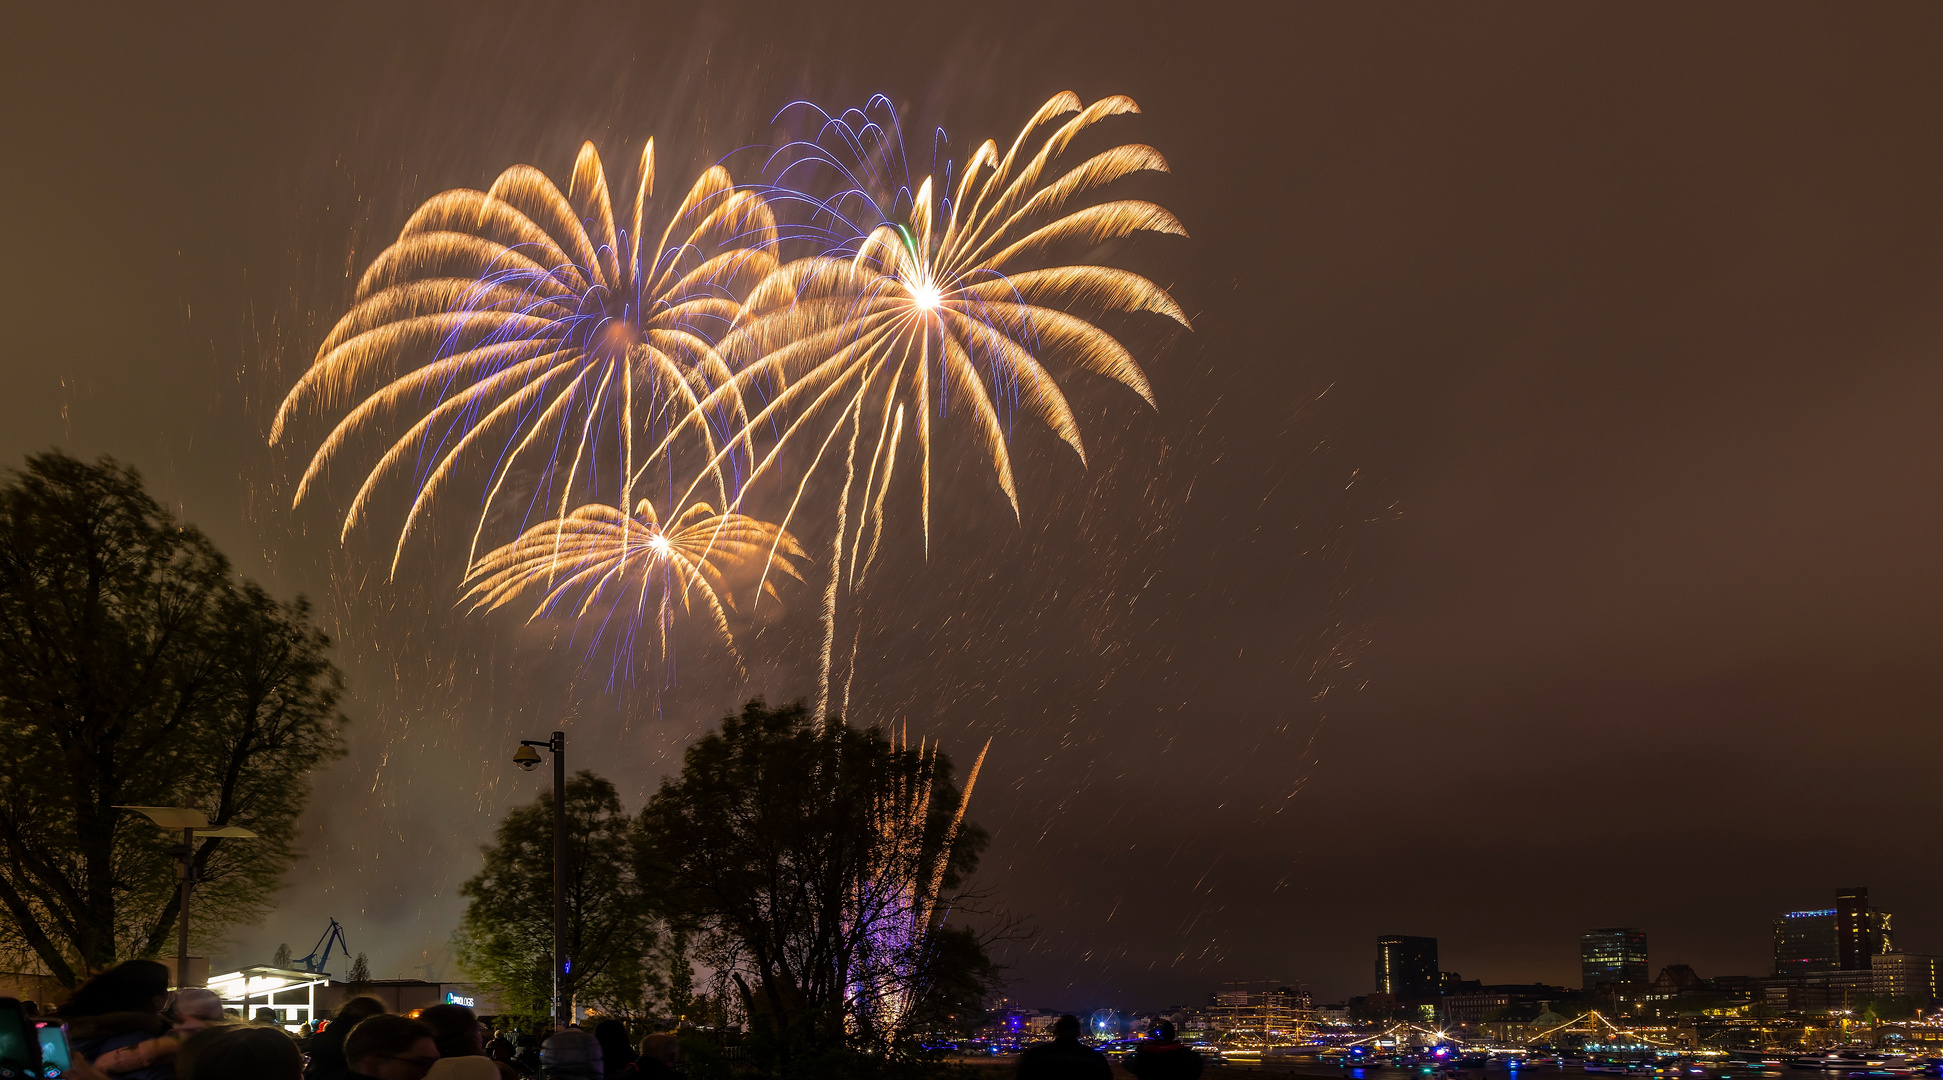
1538 530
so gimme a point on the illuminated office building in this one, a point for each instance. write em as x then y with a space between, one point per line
1860 933
1614 954
1845 937
1906 975
1805 941
1406 967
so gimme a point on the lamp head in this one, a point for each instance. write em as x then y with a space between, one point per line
172 817
527 758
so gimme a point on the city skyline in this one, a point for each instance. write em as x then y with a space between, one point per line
1803 942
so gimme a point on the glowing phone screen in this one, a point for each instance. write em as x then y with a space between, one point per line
54 1058
19 1050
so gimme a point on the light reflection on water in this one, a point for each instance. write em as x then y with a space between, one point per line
1314 1068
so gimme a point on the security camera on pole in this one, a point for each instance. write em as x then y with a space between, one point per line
528 758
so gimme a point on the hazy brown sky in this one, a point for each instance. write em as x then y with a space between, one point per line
1561 401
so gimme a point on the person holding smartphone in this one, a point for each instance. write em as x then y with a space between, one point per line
37 1048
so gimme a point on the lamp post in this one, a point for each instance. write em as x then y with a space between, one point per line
528 758
193 823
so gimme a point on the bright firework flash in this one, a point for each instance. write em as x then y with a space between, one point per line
901 900
921 297
618 571
533 331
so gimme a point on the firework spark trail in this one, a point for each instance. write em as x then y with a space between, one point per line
836 560
925 277
900 902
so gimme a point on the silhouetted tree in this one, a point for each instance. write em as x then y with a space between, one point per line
679 975
135 670
763 846
958 979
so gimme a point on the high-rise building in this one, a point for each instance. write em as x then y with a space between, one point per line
1805 941
1614 954
1859 932
1406 967
1842 938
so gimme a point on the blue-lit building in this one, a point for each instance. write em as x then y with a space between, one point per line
1846 937
1805 941
1613 954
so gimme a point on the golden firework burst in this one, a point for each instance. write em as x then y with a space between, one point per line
522 320
631 568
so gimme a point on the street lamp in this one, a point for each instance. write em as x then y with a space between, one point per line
527 757
193 823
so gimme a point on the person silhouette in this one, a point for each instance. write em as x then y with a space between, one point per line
1065 1057
1161 1057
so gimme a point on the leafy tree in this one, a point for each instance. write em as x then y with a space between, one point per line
359 976
679 976
766 845
1885 1007
282 957
134 670
506 936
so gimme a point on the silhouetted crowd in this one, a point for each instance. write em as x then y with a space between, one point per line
1160 1056
124 1024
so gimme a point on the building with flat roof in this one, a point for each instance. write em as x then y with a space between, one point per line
1613 954
1906 975
1805 941
1476 1006
1860 931
1406 967
295 997
1817 991
1845 937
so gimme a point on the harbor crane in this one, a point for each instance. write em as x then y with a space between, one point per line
321 954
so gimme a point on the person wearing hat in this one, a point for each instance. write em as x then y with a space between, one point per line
194 1009
571 1054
